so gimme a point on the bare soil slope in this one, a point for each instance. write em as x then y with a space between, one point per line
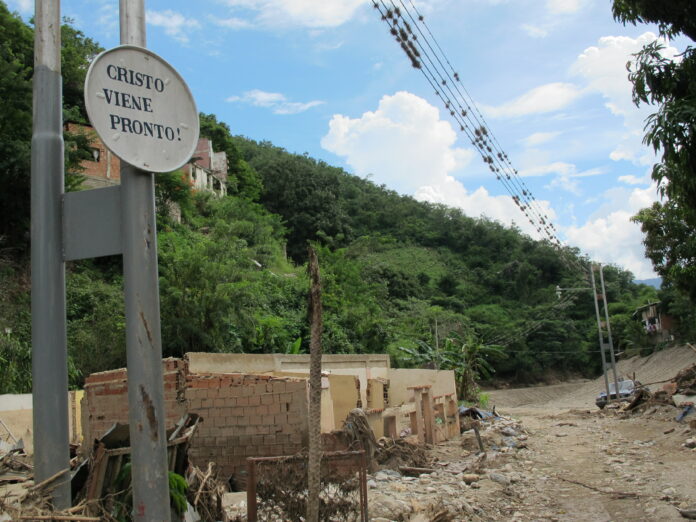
659 366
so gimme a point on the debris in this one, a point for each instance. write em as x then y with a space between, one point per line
468 478
393 454
688 409
205 492
686 381
409 470
360 436
499 478
640 396
688 512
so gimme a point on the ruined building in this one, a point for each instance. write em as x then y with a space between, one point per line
206 172
256 405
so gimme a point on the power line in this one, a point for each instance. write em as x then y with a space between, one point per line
427 55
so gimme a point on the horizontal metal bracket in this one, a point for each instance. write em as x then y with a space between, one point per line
92 223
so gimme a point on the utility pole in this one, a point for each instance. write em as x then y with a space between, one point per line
149 469
607 344
48 329
602 346
611 342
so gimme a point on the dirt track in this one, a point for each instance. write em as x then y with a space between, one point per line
583 464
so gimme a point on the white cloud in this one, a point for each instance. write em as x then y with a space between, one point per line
275 101
604 69
306 13
538 138
231 22
545 98
174 24
107 19
535 31
405 145
635 180
23 6
610 236
564 6
557 167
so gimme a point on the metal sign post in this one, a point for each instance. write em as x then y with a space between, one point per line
143 111
48 328
149 470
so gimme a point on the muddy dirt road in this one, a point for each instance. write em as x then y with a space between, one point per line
555 456
591 465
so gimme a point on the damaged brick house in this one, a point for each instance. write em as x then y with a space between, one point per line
207 170
257 405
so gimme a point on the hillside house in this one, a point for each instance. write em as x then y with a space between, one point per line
206 171
658 325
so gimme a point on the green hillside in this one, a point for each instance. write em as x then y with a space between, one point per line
422 282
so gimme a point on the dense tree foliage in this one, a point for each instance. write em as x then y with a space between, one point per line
422 282
16 70
670 84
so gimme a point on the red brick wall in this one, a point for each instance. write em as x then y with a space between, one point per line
246 416
243 415
106 398
108 163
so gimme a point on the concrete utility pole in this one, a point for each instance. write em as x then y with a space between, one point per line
149 469
611 342
604 345
48 329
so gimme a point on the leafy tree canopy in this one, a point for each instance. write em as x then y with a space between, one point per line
670 84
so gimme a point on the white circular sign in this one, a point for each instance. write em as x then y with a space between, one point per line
141 109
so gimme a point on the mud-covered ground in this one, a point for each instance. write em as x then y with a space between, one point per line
555 456
578 464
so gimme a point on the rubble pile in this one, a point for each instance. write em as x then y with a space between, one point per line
395 453
686 381
446 490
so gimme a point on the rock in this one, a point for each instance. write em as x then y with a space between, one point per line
561 434
468 478
381 476
372 484
499 478
388 508
668 493
690 443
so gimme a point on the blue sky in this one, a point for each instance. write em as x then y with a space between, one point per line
326 78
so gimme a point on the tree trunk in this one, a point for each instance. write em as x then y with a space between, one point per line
314 458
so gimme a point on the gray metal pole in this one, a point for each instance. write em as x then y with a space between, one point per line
149 469
48 330
611 342
599 331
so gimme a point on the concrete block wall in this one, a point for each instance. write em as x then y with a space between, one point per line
106 398
246 416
